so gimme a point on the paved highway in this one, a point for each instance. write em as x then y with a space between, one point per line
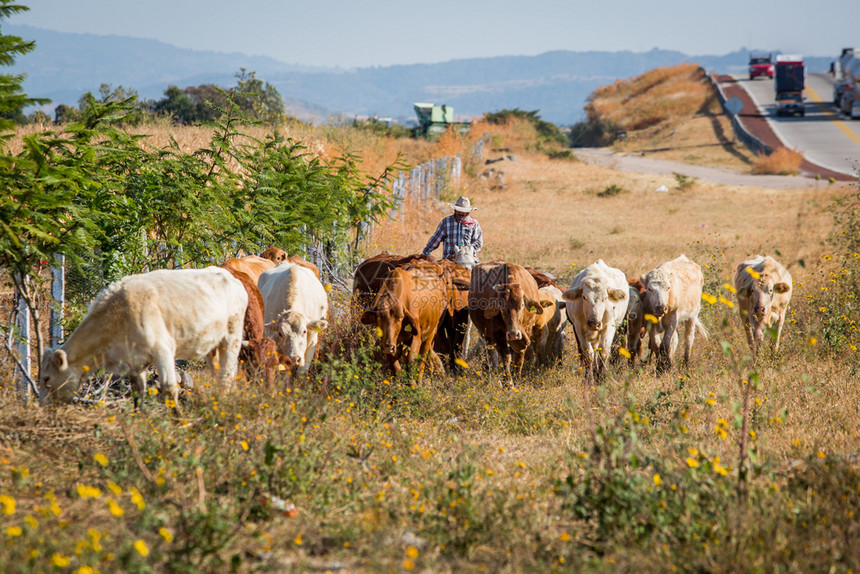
824 137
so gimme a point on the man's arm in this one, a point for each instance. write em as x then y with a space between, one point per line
477 238
437 238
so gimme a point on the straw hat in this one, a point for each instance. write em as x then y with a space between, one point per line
463 205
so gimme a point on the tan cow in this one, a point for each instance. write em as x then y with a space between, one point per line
596 304
673 290
504 305
251 265
763 297
548 333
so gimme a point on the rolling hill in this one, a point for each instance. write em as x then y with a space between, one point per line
64 66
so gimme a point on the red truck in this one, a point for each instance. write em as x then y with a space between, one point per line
789 84
761 65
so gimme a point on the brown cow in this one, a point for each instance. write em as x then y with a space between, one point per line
263 359
274 254
278 256
636 324
542 279
454 323
407 311
256 349
368 276
504 304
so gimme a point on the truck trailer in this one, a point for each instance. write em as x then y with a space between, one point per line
846 89
789 79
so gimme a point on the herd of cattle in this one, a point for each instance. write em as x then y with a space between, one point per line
266 313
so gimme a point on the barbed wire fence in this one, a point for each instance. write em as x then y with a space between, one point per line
422 183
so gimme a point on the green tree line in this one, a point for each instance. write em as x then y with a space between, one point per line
115 205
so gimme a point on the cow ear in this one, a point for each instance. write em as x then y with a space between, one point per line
572 294
60 359
499 288
547 303
368 318
534 307
617 294
744 291
782 287
318 325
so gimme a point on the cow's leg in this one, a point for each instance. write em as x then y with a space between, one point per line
666 356
603 354
466 344
779 325
230 357
166 367
424 350
745 321
310 352
504 353
138 383
690 332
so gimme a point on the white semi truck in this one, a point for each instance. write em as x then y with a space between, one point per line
846 87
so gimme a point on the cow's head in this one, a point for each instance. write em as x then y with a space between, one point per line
56 378
389 316
596 299
294 333
262 354
466 256
658 286
761 294
512 303
275 255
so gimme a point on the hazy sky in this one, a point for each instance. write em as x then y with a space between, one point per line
358 33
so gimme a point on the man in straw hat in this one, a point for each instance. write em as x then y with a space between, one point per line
457 230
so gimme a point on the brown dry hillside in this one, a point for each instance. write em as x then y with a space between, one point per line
670 113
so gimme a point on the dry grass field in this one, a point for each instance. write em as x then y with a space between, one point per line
354 471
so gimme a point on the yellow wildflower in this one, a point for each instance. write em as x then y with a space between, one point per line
8 504
141 547
115 508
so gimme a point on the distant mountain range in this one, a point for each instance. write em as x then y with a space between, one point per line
64 66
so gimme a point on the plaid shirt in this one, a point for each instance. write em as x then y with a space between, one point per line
452 235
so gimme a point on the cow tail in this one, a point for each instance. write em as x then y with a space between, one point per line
700 328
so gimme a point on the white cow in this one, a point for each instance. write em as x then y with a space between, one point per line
596 303
295 308
763 297
673 292
155 317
